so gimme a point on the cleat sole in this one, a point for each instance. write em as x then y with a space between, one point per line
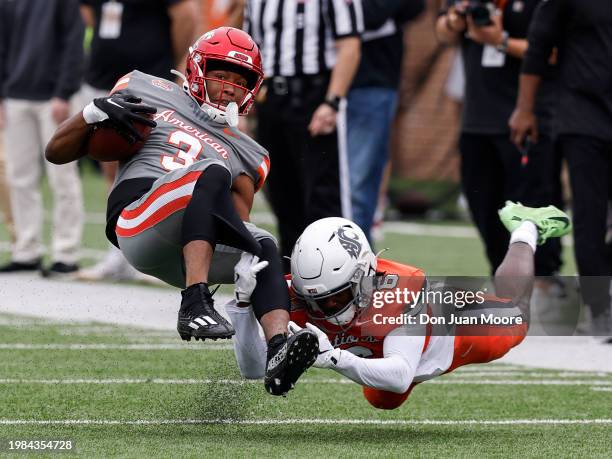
301 355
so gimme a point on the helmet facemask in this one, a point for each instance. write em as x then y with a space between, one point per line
198 82
353 297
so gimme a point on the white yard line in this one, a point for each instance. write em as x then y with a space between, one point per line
116 347
602 389
316 421
530 374
510 382
493 366
238 382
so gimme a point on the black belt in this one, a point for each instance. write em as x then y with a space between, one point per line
283 86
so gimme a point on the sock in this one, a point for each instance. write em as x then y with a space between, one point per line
527 232
277 339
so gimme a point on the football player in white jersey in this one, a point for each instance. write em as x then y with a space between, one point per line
348 297
179 207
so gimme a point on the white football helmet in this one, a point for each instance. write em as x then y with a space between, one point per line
333 269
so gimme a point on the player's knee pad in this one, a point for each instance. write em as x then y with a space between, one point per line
271 291
211 216
385 400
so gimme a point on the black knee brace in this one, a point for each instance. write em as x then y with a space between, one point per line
271 291
211 216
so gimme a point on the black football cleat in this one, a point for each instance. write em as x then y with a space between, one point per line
288 359
60 270
198 318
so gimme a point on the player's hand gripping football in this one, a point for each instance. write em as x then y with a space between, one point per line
328 356
245 276
120 110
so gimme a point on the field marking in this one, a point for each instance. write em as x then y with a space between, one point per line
532 374
543 382
490 367
115 347
602 389
239 382
315 421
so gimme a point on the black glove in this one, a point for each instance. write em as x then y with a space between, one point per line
120 110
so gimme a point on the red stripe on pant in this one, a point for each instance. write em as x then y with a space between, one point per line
159 215
163 189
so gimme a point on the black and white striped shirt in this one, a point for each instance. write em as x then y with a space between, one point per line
296 37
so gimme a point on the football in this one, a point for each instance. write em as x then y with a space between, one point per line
107 144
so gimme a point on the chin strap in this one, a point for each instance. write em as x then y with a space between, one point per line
228 116
381 251
180 75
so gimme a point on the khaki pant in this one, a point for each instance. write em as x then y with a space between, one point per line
29 126
5 198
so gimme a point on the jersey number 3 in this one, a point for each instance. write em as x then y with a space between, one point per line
182 157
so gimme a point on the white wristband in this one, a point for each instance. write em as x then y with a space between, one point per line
92 114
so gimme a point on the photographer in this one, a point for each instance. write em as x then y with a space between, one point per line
492 37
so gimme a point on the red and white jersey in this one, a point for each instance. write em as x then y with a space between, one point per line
185 134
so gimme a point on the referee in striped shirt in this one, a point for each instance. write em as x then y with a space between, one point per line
311 51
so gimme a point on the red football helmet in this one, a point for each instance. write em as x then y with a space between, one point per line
224 48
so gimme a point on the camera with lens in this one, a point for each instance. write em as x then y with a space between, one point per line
480 11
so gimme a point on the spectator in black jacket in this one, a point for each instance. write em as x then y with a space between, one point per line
372 101
41 55
581 31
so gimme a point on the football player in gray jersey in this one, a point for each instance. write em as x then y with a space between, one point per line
179 207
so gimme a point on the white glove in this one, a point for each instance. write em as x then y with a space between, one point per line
328 356
245 276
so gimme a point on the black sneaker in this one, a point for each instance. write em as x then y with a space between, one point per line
288 359
17 266
198 317
60 269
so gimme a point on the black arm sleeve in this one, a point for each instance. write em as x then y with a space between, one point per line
376 12
71 67
545 32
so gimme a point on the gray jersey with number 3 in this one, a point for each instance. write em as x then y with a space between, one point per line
185 134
